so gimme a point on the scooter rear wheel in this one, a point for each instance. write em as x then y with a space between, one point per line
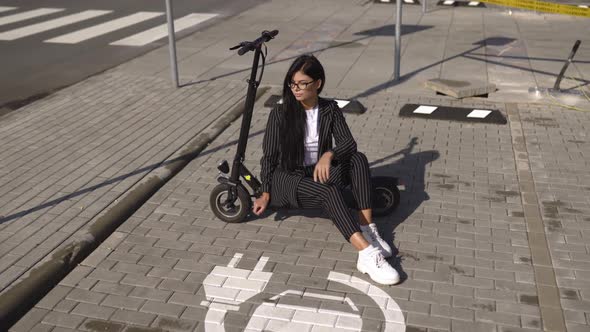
230 212
386 195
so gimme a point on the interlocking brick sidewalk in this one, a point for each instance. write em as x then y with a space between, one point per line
465 233
492 230
70 159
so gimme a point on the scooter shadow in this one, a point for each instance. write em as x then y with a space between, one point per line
410 169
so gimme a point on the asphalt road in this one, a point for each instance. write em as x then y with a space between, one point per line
39 53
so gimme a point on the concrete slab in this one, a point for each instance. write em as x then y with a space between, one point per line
459 89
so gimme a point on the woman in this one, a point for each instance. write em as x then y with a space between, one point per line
301 169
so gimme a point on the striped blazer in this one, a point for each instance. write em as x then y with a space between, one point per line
282 184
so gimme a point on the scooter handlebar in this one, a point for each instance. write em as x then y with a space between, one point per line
250 46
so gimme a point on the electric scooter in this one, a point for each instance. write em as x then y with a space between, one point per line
231 201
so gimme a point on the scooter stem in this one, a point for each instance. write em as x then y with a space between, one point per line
246 119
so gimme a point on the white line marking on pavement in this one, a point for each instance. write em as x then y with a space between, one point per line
480 114
51 24
448 2
5 9
425 109
28 14
151 35
473 3
104 28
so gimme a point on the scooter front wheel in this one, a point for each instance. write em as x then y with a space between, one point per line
231 212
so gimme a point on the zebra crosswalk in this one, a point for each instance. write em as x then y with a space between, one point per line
97 29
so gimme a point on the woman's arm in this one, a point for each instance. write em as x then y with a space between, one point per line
270 149
345 143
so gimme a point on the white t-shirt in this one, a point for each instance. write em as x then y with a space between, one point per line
311 137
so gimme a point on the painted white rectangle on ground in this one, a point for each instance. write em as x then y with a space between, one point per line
473 3
104 28
480 114
448 2
341 103
5 9
51 24
425 109
28 15
151 35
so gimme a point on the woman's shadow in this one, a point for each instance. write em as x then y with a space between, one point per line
410 169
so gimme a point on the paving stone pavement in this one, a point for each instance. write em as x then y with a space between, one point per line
491 233
66 159
462 233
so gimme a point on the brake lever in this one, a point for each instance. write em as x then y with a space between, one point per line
242 44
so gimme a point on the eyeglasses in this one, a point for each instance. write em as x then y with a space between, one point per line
300 85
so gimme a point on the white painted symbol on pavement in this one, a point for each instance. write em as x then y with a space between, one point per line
227 287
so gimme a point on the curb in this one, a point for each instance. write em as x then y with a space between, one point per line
20 298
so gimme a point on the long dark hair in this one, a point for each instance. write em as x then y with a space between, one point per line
293 122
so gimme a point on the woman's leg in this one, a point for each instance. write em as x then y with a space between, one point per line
360 179
312 195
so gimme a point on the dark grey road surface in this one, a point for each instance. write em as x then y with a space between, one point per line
32 68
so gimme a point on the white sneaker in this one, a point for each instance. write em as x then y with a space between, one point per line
371 234
371 261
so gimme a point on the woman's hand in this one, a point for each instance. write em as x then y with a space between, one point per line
261 203
321 171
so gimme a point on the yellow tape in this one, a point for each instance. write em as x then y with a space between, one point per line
541 6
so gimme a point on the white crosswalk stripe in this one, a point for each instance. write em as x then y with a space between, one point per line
139 39
51 24
104 28
5 9
28 15
151 35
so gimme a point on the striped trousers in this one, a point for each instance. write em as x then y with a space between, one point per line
328 196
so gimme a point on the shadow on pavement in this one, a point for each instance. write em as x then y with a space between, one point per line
146 169
386 30
411 169
469 54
